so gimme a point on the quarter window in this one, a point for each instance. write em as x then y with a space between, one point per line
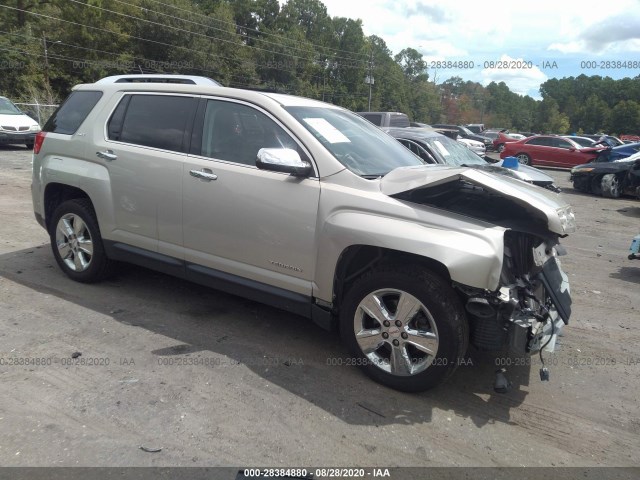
70 115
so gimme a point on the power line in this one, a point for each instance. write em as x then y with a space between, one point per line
208 54
254 30
182 29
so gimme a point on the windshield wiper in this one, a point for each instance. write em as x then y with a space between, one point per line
373 176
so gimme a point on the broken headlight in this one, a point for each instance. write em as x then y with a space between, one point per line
567 219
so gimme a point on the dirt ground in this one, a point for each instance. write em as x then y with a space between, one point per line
212 379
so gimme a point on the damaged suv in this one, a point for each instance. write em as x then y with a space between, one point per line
307 207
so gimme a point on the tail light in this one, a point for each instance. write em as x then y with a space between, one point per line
37 143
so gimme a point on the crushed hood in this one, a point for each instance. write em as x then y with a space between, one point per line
541 203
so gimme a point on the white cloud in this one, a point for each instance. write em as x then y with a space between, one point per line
440 50
523 81
616 33
483 31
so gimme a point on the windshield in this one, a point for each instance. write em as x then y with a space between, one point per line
452 152
466 131
8 108
356 143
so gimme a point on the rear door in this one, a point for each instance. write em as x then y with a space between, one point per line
143 151
540 151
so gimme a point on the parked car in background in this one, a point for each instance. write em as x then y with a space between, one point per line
419 125
464 132
551 151
517 136
609 179
386 119
307 207
582 141
614 141
492 135
15 126
501 139
434 148
475 127
476 147
617 153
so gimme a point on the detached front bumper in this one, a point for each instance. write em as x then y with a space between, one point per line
531 307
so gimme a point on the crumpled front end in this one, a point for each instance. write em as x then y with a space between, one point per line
526 309
531 306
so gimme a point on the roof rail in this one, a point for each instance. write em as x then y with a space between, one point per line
159 78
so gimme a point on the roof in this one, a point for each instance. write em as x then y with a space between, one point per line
254 96
416 133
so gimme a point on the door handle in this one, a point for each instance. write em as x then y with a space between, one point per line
203 175
107 155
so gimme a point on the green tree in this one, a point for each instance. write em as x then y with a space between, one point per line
625 117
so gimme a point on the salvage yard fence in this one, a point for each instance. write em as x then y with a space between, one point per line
38 111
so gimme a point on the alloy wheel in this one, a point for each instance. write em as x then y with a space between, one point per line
396 332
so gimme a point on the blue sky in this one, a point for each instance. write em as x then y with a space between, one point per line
556 38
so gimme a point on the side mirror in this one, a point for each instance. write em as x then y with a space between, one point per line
284 160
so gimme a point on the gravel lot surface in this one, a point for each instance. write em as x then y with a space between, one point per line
213 379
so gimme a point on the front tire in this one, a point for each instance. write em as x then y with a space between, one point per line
524 159
405 327
76 242
501 148
610 186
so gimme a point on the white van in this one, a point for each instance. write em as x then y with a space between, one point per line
15 126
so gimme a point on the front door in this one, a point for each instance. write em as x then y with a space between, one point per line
254 224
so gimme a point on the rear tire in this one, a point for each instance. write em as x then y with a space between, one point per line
405 327
76 242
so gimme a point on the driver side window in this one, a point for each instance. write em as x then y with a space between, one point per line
236 132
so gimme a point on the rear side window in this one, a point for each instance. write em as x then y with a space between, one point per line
399 121
70 115
376 119
157 121
542 141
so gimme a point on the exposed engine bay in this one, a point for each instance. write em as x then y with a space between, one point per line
532 303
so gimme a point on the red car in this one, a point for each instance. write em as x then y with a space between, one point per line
500 141
551 151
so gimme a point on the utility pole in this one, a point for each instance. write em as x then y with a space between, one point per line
46 61
369 78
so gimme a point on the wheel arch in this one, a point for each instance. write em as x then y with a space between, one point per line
56 193
356 260
469 253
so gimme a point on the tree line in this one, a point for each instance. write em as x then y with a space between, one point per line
47 46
